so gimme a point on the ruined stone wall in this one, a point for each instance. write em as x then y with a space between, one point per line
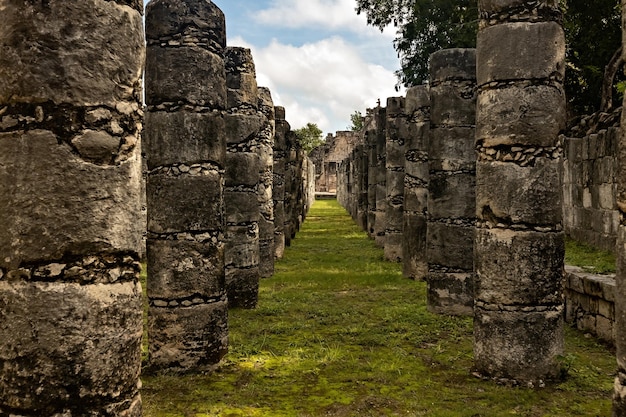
589 183
379 170
185 153
328 156
519 249
396 135
70 180
414 228
452 182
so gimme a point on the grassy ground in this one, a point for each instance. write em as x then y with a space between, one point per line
339 332
589 258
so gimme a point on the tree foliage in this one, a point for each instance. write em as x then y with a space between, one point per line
593 34
309 136
423 27
592 30
357 121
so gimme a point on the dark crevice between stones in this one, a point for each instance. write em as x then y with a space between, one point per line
98 134
489 220
190 301
85 270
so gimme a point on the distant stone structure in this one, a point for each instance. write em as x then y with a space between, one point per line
70 179
396 136
327 157
185 150
519 251
414 228
244 123
452 182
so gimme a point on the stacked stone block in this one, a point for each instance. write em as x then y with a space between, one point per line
185 152
70 179
519 240
278 190
362 186
266 183
451 183
396 134
415 262
588 178
244 123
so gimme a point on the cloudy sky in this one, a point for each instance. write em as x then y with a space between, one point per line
320 60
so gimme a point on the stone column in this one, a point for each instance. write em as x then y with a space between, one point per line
70 180
380 175
241 193
519 240
278 191
415 261
185 150
290 185
372 162
396 135
451 184
619 394
362 186
266 182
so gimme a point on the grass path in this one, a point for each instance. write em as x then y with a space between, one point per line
340 332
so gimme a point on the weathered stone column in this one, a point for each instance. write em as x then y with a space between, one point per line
372 162
519 240
451 184
290 186
619 394
414 259
361 159
185 149
70 180
380 174
241 193
396 135
266 184
278 191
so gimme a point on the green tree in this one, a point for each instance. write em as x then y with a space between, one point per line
357 121
592 31
424 27
593 34
309 136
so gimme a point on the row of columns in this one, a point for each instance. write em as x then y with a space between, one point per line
71 121
482 222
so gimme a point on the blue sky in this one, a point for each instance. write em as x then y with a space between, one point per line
320 60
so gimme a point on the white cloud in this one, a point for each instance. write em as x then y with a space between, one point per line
327 14
322 82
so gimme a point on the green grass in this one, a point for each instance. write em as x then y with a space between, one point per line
340 332
589 258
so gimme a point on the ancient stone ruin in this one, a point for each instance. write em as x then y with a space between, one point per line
414 226
451 183
519 237
265 150
185 144
244 123
396 135
70 173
